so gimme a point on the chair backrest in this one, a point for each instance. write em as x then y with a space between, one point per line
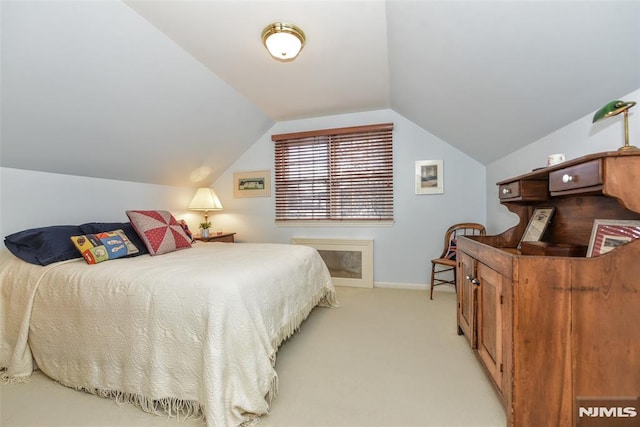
462 229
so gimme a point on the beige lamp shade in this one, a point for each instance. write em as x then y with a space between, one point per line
205 200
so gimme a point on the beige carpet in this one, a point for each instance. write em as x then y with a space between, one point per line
385 358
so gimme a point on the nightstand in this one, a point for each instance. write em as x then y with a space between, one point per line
224 237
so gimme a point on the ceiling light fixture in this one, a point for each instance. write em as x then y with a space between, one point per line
283 41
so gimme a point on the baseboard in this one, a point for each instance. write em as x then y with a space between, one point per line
409 286
397 285
413 286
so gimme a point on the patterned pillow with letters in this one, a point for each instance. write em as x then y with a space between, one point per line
188 232
104 246
452 251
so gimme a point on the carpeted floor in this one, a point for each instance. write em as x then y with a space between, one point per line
386 357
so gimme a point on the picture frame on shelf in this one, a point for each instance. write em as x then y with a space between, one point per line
537 225
429 177
252 184
607 235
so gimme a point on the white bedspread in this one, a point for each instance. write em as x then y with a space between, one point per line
195 330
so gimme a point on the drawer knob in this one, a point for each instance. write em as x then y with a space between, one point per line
506 190
473 280
567 178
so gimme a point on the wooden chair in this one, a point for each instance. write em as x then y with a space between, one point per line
441 266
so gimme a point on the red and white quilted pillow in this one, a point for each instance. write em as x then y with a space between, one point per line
159 231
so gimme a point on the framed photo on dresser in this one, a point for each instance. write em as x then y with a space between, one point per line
610 234
538 224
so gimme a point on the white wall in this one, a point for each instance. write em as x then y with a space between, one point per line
35 199
577 139
402 252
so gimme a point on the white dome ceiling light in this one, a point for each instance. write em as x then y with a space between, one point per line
283 41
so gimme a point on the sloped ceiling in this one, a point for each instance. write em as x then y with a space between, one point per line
172 92
92 89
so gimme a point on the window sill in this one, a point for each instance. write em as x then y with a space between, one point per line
336 224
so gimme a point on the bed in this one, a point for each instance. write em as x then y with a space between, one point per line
192 332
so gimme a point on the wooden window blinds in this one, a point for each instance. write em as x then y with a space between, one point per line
335 174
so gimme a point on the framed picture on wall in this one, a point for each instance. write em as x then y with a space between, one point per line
610 234
429 177
252 184
538 224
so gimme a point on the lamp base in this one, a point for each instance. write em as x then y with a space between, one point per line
626 148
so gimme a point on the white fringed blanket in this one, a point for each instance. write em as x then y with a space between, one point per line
193 332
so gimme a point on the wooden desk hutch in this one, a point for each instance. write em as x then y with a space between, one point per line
552 329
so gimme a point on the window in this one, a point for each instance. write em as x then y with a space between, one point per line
335 174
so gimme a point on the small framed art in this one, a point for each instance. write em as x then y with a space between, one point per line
429 177
252 184
610 234
538 224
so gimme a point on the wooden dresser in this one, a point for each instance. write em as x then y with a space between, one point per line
552 330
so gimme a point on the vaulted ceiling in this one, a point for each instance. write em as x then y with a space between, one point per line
177 90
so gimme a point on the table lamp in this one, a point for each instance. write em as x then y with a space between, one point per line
613 109
205 200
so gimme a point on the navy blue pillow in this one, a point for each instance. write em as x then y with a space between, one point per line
44 245
101 227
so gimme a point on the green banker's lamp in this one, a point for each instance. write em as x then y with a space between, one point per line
613 109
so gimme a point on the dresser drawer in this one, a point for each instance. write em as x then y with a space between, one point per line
584 177
523 190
